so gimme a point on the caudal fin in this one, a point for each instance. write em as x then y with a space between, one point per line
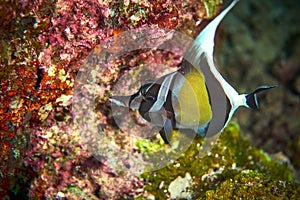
251 98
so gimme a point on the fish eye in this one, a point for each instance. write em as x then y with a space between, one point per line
149 99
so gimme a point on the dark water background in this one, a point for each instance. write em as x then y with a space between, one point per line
262 47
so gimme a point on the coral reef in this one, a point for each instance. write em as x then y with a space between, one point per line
44 43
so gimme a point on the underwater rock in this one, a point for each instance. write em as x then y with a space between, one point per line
43 45
178 189
251 184
231 169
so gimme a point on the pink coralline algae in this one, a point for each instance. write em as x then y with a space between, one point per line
43 45
74 30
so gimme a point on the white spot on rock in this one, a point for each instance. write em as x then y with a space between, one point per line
178 188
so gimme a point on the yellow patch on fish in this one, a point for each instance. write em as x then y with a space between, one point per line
194 107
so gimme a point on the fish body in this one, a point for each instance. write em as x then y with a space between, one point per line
194 98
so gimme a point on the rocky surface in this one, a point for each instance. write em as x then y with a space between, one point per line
232 168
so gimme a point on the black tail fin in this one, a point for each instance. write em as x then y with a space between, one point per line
251 98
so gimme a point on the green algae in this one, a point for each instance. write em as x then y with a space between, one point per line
231 168
253 185
146 146
211 7
158 154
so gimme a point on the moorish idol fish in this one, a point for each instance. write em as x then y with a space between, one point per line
196 97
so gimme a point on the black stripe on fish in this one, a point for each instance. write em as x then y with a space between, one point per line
228 109
163 118
149 98
220 103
